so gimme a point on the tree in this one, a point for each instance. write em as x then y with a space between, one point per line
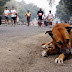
21 8
2 3
68 4
51 2
62 11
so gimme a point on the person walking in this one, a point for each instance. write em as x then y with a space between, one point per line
50 18
13 15
28 14
45 20
40 14
0 19
6 14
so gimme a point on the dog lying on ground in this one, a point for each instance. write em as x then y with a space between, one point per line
61 42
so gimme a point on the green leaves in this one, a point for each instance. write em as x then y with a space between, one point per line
2 3
21 8
63 10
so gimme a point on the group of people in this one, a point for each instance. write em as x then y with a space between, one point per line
40 14
40 17
13 13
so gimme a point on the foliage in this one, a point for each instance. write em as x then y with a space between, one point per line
2 3
67 3
22 8
64 10
51 2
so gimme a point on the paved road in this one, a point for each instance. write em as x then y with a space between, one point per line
18 47
20 50
20 30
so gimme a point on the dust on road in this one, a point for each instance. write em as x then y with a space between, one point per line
20 51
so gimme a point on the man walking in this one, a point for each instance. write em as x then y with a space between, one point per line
6 13
40 14
13 15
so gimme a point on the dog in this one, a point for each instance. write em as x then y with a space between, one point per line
61 42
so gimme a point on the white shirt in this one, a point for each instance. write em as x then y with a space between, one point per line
40 14
6 12
50 16
13 13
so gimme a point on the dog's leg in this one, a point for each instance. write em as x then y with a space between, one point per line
50 51
60 58
45 45
71 38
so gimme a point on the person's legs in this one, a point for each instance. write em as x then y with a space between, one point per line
0 21
14 20
5 19
28 21
39 22
50 23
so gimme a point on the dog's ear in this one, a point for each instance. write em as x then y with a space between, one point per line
50 33
68 28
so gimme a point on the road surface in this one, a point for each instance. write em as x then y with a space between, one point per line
20 50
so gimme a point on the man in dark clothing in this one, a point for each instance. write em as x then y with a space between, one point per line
0 19
40 14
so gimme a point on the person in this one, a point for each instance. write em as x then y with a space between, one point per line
0 19
13 15
16 17
50 18
6 13
65 21
28 14
40 14
45 20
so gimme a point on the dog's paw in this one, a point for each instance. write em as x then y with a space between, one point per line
44 46
44 53
59 61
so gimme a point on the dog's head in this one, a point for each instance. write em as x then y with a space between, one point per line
61 38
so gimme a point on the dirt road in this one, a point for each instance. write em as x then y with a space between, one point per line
20 51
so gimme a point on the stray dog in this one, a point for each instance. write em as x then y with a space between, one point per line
61 42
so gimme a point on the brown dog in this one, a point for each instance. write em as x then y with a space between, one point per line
61 35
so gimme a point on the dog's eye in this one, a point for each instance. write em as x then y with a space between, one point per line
59 42
67 40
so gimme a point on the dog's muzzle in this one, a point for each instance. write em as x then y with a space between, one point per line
67 51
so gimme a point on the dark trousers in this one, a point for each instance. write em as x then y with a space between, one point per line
28 21
0 21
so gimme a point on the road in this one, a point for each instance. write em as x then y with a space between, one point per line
20 30
20 50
